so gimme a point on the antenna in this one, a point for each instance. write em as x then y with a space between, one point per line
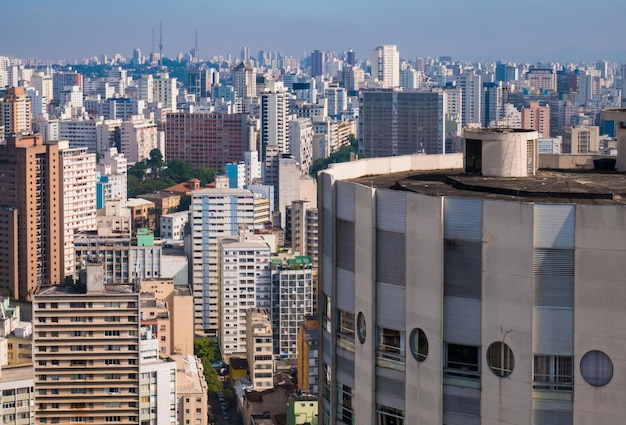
152 40
195 52
161 42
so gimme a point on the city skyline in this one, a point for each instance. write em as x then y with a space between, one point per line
535 32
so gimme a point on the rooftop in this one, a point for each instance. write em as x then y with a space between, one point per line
575 186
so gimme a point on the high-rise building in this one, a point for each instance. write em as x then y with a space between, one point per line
401 122
301 229
138 137
471 86
16 112
541 79
78 177
214 213
317 63
492 104
63 79
86 352
484 302
31 249
301 142
259 349
205 140
244 81
292 300
386 66
244 284
95 361
198 82
274 118
536 117
308 355
581 140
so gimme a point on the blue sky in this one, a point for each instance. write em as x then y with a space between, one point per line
531 30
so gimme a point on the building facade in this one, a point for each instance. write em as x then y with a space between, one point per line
469 307
386 66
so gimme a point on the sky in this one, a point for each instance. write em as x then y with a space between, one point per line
521 31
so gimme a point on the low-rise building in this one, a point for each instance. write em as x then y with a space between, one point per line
260 349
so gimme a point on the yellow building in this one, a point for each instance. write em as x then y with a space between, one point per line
302 409
308 355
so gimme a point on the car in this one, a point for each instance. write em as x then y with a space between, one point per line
227 416
220 396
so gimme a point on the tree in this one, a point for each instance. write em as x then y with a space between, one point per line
155 163
205 348
138 170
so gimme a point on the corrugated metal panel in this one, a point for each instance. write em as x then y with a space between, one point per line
462 274
391 257
553 331
390 306
461 320
326 275
345 290
554 226
463 219
345 200
385 399
450 418
345 244
391 210
345 366
553 262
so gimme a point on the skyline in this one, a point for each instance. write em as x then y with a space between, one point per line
65 29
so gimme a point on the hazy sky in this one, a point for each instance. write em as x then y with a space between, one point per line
529 30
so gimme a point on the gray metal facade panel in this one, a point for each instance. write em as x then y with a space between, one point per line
345 244
462 275
327 232
391 257
327 190
553 291
390 386
553 417
554 226
345 290
390 306
462 320
463 219
327 275
391 210
345 200
326 347
553 331
345 365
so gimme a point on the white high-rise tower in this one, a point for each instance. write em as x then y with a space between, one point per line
386 65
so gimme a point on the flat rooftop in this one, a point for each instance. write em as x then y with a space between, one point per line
580 186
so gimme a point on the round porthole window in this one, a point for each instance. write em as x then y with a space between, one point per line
360 327
419 344
596 368
500 359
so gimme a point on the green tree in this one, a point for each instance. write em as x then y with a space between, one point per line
138 170
205 348
155 163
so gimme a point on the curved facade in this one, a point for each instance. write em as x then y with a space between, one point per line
447 306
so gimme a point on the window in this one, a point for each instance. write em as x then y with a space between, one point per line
462 361
111 333
596 368
345 330
553 373
500 359
390 341
345 396
419 344
386 415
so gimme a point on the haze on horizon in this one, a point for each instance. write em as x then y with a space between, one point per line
536 30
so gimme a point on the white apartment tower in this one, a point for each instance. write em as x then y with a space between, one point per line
214 213
78 170
245 284
138 137
301 142
114 166
274 117
386 66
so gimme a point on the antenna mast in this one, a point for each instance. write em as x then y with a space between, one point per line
196 56
161 42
